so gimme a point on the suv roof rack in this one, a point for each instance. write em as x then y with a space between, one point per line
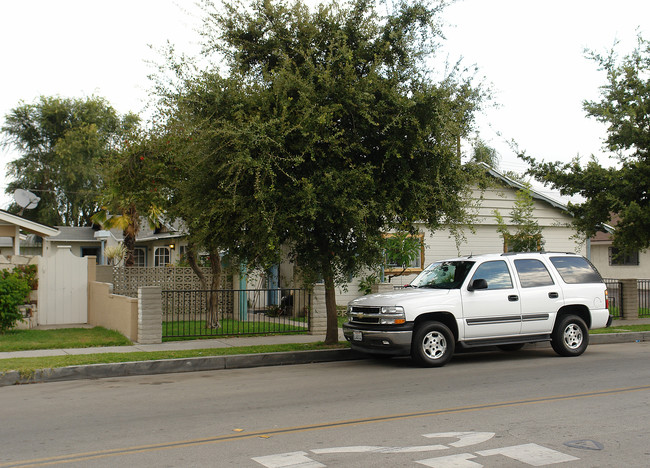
505 254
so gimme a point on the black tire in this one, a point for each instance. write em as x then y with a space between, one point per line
433 344
509 348
570 336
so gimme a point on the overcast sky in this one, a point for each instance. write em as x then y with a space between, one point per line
531 51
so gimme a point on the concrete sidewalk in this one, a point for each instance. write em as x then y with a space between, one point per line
174 345
206 363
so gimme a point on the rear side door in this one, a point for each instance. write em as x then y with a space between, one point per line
495 311
541 296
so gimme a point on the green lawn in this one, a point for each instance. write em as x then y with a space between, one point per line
179 330
23 340
621 329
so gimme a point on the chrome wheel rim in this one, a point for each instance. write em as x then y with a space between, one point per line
573 336
434 345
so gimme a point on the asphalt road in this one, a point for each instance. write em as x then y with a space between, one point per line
530 408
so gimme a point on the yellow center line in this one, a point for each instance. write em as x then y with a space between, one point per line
77 457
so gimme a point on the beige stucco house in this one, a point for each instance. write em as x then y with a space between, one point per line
154 247
603 255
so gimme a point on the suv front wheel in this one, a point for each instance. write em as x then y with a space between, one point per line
570 337
433 344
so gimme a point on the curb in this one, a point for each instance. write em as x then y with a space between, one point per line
235 361
170 366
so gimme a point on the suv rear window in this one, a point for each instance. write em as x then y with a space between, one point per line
575 270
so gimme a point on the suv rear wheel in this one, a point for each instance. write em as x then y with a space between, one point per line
433 344
570 337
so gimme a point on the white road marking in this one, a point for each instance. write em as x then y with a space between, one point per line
531 454
374 449
288 460
452 461
465 438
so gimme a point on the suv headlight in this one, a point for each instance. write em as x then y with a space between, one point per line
392 315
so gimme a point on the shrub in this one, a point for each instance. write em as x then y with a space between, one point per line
28 272
14 289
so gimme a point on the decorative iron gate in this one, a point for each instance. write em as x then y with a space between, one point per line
643 287
235 312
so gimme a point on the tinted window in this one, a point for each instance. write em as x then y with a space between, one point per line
495 273
532 273
574 270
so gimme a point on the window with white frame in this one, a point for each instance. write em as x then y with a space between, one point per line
162 256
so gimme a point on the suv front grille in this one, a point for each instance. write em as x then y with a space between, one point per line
365 314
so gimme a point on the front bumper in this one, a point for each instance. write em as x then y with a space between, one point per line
393 340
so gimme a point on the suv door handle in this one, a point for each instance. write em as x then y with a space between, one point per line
513 298
553 295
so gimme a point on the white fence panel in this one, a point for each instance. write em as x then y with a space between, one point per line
63 288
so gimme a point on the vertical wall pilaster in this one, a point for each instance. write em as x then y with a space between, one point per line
630 306
318 311
149 314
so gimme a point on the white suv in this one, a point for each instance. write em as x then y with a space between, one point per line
505 300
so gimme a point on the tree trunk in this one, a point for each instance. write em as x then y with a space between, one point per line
130 234
191 259
332 335
213 316
212 319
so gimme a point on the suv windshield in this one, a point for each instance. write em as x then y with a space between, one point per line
443 275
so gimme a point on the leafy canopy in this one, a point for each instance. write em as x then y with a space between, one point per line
62 143
624 105
324 131
131 188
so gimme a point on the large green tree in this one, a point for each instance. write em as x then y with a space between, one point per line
325 130
624 106
62 143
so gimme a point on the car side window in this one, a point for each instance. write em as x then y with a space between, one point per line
576 270
496 274
533 273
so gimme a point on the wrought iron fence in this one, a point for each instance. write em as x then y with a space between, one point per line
643 286
615 295
234 312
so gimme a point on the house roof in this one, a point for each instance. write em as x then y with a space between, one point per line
87 234
519 186
27 224
76 234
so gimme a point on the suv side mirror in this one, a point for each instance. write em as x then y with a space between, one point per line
478 283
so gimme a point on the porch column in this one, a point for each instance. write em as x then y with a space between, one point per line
17 241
